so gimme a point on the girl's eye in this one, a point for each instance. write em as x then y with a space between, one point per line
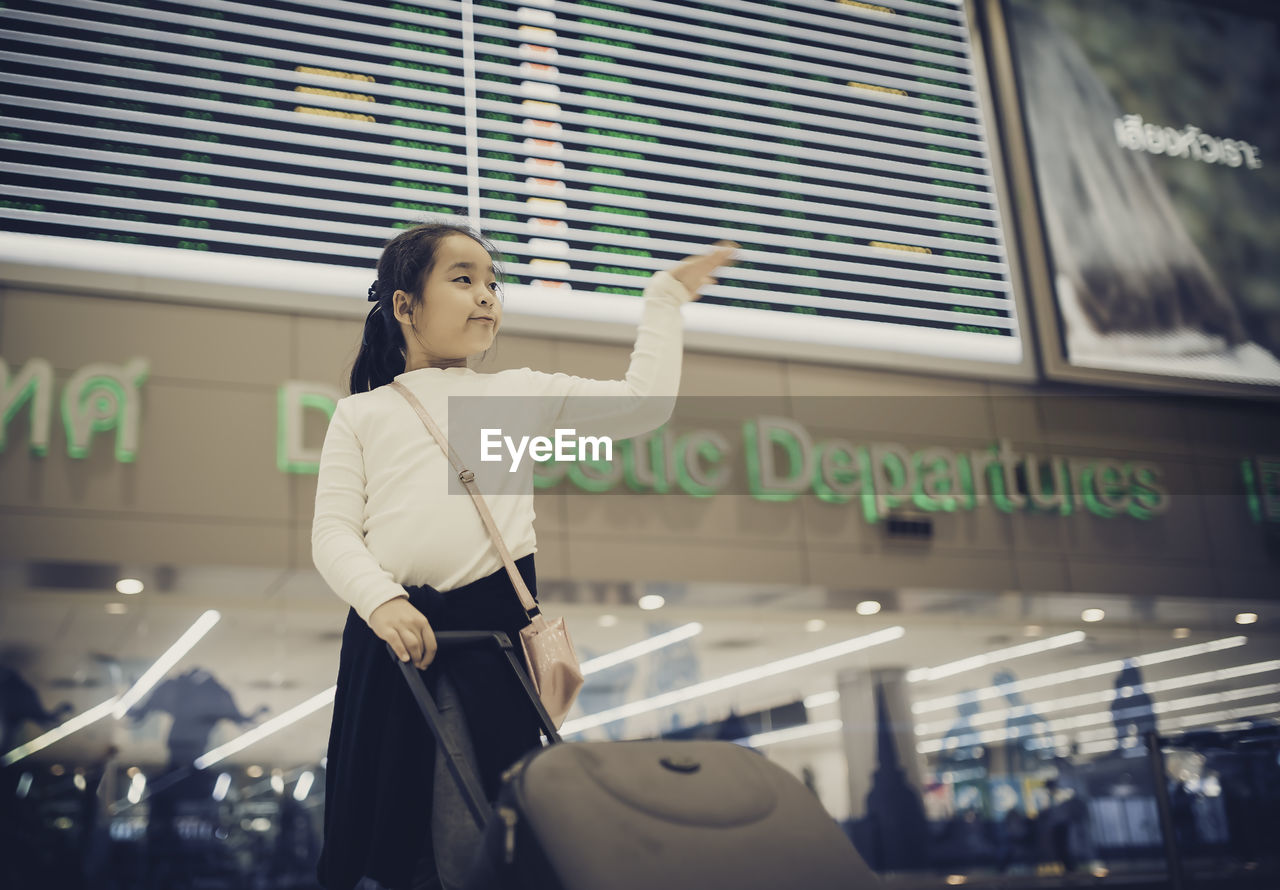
463 278
493 286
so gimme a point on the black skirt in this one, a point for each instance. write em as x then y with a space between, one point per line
381 756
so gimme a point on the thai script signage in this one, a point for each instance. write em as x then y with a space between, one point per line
1189 142
97 398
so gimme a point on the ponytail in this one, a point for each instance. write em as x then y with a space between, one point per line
406 261
381 355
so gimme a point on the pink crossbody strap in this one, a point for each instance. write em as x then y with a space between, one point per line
468 480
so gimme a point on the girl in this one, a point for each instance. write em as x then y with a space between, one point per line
410 560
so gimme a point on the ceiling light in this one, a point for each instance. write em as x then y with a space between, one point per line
277 781
275 724
867 607
729 681
1099 741
1106 695
607 620
651 601
1070 676
644 647
136 787
156 672
791 734
303 788
1032 630
821 699
221 786
254 772
952 668
1247 618
1092 615
986 737
41 742
1181 633
129 586
813 625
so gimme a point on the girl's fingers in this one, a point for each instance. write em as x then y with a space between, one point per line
412 642
695 272
428 640
397 646
707 262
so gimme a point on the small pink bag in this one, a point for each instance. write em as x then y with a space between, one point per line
548 651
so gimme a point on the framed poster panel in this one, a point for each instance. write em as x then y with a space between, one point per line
1142 138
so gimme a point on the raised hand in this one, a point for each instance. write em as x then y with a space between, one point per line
695 272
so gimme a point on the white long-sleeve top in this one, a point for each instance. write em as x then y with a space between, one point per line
384 518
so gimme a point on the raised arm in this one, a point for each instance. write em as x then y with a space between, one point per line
645 398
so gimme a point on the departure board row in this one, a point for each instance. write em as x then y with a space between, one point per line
841 143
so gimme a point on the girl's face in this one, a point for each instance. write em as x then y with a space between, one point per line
460 311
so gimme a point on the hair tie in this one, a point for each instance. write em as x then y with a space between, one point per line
373 291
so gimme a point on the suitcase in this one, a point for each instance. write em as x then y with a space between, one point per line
643 814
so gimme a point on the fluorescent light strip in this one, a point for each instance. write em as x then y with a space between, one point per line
931 746
1093 670
303 788
644 647
78 722
274 725
952 668
1096 735
156 672
820 699
729 681
1100 744
791 734
1106 695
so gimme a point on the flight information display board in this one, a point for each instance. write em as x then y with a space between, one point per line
842 144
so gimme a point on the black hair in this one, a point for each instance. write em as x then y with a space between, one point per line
406 261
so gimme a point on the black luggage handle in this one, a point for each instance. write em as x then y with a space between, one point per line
468 782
